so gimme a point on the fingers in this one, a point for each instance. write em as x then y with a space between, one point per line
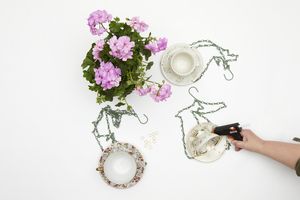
245 132
238 144
230 138
237 148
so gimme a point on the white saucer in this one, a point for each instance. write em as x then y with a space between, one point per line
184 78
215 146
121 165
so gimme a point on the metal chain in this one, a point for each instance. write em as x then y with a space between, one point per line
116 117
224 58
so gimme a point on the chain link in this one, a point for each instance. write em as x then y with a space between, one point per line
116 117
224 58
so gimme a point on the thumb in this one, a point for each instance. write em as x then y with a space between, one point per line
239 144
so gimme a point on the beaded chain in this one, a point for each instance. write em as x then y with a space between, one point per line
116 118
224 58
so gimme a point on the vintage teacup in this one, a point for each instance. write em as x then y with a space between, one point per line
183 62
204 145
205 142
120 167
201 140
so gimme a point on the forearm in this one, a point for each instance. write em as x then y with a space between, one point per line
286 153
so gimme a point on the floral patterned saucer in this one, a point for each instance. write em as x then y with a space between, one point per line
121 165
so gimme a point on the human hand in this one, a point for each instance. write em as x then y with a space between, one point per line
251 142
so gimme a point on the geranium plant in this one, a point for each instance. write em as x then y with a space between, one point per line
116 64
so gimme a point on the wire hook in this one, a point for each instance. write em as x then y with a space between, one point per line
193 87
232 75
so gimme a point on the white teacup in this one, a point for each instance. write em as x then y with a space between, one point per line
183 62
120 167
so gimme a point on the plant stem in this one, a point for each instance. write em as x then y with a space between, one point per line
129 107
105 28
151 82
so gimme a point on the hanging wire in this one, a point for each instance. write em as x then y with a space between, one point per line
223 58
116 117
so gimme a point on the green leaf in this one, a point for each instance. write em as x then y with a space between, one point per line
129 108
149 65
128 90
114 27
127 30
146 53
88 76
120 104
88 62
135 36
94 88
109 96
100 99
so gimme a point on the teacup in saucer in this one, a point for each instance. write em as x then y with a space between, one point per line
183 62
203 145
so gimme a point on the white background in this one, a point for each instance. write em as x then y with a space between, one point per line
47 150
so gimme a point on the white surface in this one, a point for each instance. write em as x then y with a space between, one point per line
120 167
47 150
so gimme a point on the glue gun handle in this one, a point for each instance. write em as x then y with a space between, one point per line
237 136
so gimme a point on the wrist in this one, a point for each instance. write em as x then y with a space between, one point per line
262 146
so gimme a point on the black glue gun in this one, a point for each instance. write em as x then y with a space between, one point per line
233 130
